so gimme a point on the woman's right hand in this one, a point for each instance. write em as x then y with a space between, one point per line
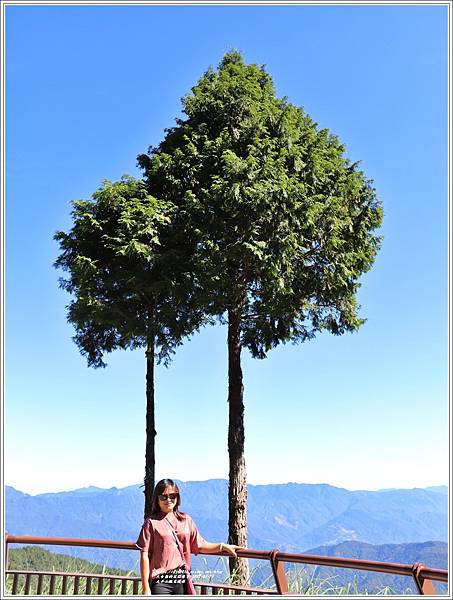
231 549
146 591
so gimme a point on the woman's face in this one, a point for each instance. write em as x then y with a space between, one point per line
167 499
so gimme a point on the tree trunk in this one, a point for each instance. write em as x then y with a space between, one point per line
150 429
237 491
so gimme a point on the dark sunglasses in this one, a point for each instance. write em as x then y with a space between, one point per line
165 496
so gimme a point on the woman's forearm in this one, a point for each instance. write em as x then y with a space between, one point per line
210 548
144 572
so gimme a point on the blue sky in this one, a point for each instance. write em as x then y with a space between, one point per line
90 87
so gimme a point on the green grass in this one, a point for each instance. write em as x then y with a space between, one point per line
306 583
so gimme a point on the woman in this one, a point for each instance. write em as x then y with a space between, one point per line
166 541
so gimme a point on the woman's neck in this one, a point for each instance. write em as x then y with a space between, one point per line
170 514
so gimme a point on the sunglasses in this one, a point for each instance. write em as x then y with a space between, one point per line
163 497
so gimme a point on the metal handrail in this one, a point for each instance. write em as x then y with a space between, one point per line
422 575
363 565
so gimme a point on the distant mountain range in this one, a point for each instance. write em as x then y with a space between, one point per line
432 554
292 517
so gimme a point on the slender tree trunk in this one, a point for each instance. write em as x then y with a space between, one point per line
150 429
237 491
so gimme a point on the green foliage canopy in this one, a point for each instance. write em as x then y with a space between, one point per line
280 219
131 287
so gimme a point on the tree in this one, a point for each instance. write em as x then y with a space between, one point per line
283 221
131 282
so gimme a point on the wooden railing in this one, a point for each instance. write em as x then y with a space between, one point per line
58 583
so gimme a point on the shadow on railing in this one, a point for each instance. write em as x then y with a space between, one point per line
58 583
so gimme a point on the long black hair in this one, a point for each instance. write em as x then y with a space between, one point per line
159 488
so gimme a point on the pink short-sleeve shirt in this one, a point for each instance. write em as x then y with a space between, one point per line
157 538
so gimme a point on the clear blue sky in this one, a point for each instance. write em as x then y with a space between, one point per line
88 88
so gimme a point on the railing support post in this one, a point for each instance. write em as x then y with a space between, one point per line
424 586
278 569
6 552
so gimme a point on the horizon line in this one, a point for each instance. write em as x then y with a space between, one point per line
114 487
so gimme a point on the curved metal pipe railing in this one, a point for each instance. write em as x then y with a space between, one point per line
422 575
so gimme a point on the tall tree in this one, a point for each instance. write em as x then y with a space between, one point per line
283 223
131 282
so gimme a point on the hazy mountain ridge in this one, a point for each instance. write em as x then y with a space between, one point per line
433 554
35 558
292 517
